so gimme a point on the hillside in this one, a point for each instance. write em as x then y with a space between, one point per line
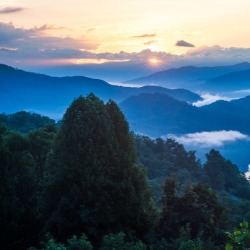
159 114
239 108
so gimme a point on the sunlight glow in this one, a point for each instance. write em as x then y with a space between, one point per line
154 61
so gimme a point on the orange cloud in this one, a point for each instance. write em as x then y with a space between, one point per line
144 36
150 42
9 10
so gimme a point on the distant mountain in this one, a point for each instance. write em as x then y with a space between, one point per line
239 80
179 94
237 110
160 114
21 90
188 77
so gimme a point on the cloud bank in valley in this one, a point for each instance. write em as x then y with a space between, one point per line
210 139
209 98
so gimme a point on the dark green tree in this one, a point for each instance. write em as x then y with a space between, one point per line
198 211
18 193
221 174
24 121
40 142
182 159
118 242
94 185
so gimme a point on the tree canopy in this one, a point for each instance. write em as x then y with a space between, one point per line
95 185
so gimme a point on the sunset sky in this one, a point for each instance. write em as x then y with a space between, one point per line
83 31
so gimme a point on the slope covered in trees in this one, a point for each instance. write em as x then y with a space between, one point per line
24 121
87 178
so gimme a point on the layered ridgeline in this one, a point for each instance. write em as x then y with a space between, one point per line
151 110
20 90
213 79
160 114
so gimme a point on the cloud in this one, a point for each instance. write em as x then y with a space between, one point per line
210 139
45 27
141 56
91 29
208 99
27 45
150 42
34 43
8 50
218 52
144 36
9 10
182 43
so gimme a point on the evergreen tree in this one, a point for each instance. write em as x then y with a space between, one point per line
94 186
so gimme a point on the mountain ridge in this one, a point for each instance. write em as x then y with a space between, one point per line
21 90
188 77
239 80
159 114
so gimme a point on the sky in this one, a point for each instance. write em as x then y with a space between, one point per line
159 32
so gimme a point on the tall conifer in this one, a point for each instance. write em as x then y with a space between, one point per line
94 186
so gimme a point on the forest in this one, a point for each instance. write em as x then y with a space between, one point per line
88 182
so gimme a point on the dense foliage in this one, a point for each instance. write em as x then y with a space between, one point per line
84 186
24 121
95 186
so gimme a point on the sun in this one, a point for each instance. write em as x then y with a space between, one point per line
154 61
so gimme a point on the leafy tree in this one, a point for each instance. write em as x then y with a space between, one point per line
74 243
182 159
118 242
163 158
53 245
221 174
94 185
40 142
198 209
240 238
81 243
